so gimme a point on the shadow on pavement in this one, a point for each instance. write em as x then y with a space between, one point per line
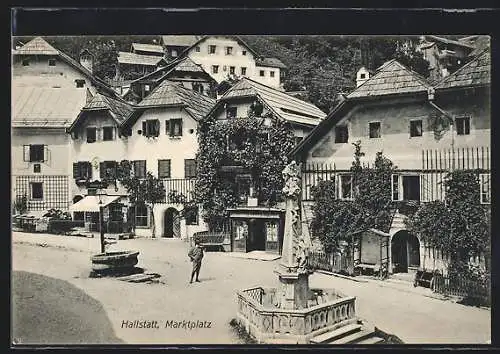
46 310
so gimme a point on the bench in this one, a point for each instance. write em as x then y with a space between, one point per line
209 239
423 278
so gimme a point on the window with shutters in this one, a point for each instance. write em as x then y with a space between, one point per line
82 170
163 168
108 170
141 215
139 168
35 153
406 187
52 62
189 168
91 134
374 128
108 133
191 215
175 127
271 73
211 49
36 189
344 187
151 128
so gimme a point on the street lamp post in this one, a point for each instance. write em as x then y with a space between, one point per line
101 194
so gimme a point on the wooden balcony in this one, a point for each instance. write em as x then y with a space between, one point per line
183 186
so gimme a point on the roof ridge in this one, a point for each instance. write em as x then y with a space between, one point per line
474 59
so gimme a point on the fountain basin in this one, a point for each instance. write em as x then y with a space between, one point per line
327 310
119 260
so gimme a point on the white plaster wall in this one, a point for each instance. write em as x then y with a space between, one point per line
177 149
267 79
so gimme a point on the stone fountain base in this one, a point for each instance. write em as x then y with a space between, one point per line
326 311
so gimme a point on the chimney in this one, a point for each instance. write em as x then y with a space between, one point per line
87 60
361 76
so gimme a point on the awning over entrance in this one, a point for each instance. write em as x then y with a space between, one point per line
255 212
90 203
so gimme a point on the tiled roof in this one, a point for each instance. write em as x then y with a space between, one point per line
147 47
170 93
180 40
138 59
186 64
286 106
37 46
475 73
120 110
390 79
271 62
46 107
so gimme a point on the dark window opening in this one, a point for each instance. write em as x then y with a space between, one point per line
229 50
37 153
261 73
411 188
215 69
211 49
163 168
36 190
362 76
151 128
107 133
139 168
463 125
415 128
52 62
232 70
91 135
191 215
80 83
271 73
189 168
231 112
37 168
82 170
108 170
198 49
243 71
374 130
26 62
341 134
244 52
175 127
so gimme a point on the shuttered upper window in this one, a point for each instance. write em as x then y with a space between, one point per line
35 153
108 170
163 168
174 127
140 168
82 170
151 128
189 168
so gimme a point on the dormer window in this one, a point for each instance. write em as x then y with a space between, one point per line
52 62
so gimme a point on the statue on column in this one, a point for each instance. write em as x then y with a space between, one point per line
299 251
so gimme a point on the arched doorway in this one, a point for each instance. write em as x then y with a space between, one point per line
171 223
405 251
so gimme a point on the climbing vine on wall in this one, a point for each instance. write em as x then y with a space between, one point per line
334 219
245 142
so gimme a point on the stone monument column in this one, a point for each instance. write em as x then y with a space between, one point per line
293 270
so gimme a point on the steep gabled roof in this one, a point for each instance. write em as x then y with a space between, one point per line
180 40
153 48
271 62
117 108
475 73
236 38
392 78
450 41
45 106
169 93
138 59
37 46
284 105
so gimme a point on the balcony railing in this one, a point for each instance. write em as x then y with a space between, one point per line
183 186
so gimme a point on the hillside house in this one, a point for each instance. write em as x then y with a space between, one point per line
48 90
396 111
226 57
183 70
174 45
254 226
147 49
132 65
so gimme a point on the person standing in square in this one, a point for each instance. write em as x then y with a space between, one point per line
196 255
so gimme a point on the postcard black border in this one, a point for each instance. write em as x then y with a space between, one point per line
56 18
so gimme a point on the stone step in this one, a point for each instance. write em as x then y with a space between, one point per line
354 337
335 334
371 340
